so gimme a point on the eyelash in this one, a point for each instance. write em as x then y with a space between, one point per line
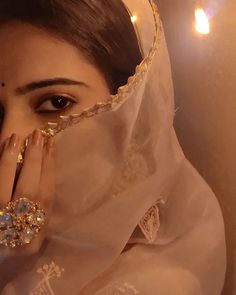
50 99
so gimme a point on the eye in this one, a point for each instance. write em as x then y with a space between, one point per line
55 103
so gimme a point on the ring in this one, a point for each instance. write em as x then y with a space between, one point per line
20 222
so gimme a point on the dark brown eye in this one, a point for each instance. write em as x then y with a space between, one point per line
55 103
59 102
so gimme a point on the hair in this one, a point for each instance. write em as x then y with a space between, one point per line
101 29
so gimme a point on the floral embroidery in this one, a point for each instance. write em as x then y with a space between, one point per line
48 272
125 288
147 229
150 223
134 169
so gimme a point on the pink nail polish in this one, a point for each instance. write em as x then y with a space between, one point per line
37 138
13 142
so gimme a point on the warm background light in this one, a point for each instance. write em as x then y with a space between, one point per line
134 18
202 23
204 74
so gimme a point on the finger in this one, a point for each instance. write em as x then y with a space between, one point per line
47 181
28 183
8 164
45 195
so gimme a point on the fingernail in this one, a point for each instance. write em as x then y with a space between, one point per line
50 146
37 139
13 142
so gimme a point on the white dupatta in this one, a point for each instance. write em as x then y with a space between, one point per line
132 216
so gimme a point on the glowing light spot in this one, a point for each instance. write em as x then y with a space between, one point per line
134 18
202 25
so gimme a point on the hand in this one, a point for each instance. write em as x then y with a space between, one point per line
36 182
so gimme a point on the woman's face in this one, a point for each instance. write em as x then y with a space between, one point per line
41 78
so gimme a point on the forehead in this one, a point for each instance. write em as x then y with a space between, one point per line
26 51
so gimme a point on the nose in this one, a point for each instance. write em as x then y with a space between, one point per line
18 124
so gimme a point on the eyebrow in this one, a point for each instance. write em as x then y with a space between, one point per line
46 83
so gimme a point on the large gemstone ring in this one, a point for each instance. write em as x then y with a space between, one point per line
20 221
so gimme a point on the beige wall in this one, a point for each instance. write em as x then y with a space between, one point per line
204 73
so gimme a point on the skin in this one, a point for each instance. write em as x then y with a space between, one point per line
29 54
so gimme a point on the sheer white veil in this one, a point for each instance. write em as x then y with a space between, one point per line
132 216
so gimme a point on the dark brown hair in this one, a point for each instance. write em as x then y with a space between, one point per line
101 29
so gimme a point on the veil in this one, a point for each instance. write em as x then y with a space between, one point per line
131 216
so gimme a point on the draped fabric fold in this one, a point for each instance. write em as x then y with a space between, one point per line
111 168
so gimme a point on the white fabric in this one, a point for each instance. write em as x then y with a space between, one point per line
113 167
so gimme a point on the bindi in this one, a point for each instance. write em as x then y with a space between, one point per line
3 84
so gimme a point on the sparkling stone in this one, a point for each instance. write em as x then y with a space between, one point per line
5 219
40 218
30 218
7 236
23 206
27 235
36 219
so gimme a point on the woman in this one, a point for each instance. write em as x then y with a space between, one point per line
125 211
